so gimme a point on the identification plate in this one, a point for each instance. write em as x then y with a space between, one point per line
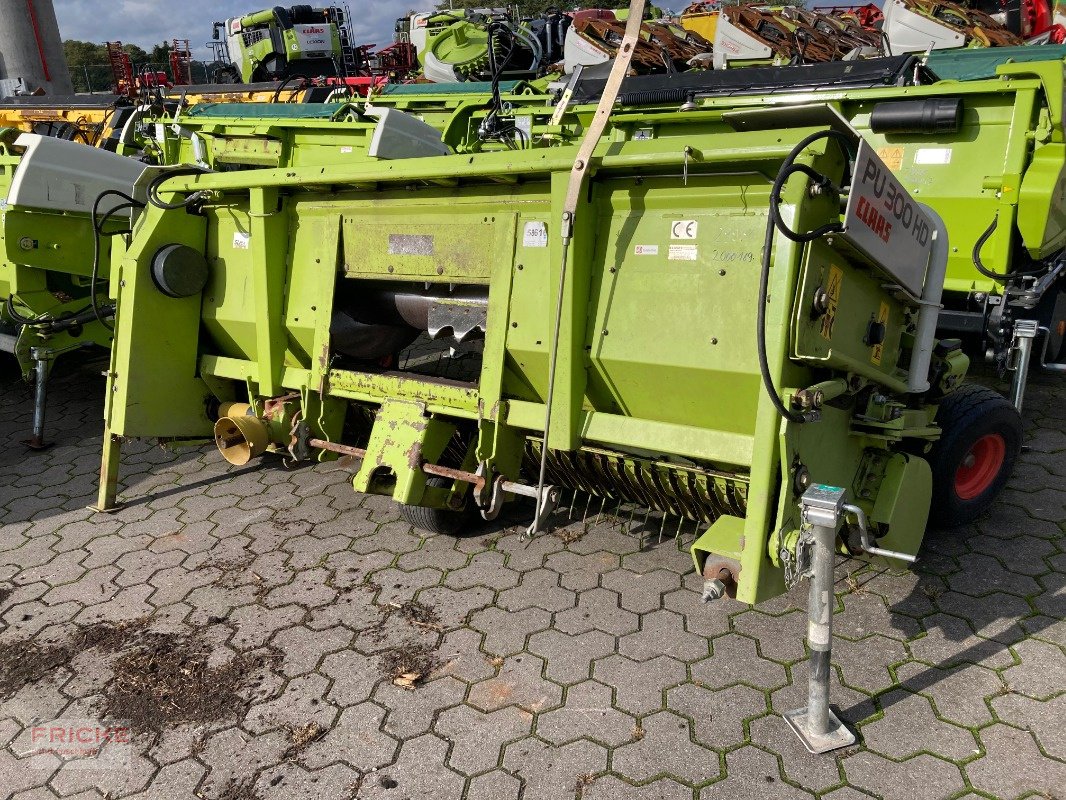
884 222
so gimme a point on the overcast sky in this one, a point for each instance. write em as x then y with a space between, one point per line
148 22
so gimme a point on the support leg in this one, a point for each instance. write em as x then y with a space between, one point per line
816 725
42 359
1025 332
107 498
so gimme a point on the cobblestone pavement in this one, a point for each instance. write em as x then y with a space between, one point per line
581 664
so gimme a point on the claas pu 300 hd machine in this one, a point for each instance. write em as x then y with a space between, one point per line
733 322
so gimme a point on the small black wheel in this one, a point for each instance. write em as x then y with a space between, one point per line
980 441
440 520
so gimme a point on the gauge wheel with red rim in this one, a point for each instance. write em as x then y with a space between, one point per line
981 436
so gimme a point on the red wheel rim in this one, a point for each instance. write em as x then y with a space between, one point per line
980 466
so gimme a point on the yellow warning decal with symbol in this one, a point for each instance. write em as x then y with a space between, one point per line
836 281
892 156
879 349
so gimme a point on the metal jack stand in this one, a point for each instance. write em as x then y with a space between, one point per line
42 358
1025 332
815 724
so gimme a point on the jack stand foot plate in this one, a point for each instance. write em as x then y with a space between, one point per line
36 444
111 510
836 737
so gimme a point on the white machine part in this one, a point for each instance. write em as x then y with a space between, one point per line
59 175
579 51
315 41
399 135
733 44
908 32
436 71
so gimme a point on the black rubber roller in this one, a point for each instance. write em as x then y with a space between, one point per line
934 115
179 271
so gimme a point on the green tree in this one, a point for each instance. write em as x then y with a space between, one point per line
90 68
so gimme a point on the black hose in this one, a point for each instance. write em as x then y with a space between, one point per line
997 276
97 224
153 188
286 82
774 222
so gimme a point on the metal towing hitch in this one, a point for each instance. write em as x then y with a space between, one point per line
824 509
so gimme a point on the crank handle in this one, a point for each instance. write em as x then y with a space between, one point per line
867 543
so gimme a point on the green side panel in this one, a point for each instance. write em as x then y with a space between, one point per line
257 111
470 88
153 386
978 63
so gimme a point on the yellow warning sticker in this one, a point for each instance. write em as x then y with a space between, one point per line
836 281
879 348
892 156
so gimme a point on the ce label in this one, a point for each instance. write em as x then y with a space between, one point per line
684 229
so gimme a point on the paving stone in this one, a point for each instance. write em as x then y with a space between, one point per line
1044 719
611 788
780 637
485 569
538 588
994 616
234 755
299 704
580 571
462 658
302 648
291 780
519 682
717 716
812 772
568 658
1042 672
356 739
923 777
256 624
354 676
419 771
411 713
950 640
665 749
477 739
641 592
506 631
597 609
734 659
751 773
909 727
866 613
587 714
548 772
1012 765
958 693
175 780
662 633
865 664
639 686
703 619
495 785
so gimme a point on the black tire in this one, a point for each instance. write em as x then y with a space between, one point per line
974 457
439 520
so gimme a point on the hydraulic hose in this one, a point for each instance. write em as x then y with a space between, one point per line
153 188
997 276
774 222
98 224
